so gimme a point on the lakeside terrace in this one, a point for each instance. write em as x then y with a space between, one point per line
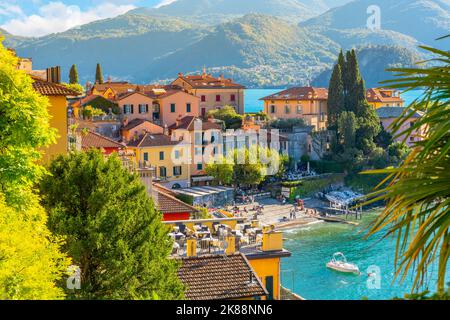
261 246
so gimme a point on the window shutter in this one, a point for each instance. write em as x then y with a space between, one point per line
132 109
125 109
146 108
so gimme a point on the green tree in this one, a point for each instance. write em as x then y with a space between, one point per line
336 96
98 74
347 127
221 170
248 169
73 75
229 116
114 234
24 129
417 192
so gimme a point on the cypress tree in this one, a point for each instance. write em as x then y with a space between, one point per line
73 75
335 96
352 81
99 74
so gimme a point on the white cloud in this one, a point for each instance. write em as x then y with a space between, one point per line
8 9
58 17
164 3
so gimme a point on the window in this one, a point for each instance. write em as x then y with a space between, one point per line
143 108
272 109
188 107
287 109
172 107
203 98
128 109
198 138
162 172
198 151
145 156
411 124
299 109
199 166
177 154
233 97
218 98
177 171
161 155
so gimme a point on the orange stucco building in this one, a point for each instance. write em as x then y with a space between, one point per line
214 93
307 103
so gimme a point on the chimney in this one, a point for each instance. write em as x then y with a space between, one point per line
180 74
166 129
125 121
54 74
178 121
231 244
191 247
272 241
109 79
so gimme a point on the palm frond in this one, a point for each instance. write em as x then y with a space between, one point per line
417 193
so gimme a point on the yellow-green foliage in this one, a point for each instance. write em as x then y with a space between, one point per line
30 260
24 128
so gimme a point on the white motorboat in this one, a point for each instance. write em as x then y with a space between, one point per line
339 263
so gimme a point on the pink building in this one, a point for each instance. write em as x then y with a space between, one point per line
388 115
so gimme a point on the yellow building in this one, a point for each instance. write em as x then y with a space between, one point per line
262 249
167 157
214 93
307 103
57 110
380 98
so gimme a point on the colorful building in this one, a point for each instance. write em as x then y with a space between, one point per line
93 140
262 248
136 127
57 109
214 93
172 208
307 103
167 157
159 104
204 139
217 277
379 97
388 115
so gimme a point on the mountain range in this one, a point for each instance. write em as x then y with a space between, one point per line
261 45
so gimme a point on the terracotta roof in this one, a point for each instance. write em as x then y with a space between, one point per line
167 203
51 89
95 140
137 122
153 140
208 81
396 112
125 87
300 93
188 123
85 100
219 277
380 95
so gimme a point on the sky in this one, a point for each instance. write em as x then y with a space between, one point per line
41 17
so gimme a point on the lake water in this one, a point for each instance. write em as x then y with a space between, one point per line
253 104
312 247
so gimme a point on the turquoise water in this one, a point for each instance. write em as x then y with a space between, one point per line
312 247
253 104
